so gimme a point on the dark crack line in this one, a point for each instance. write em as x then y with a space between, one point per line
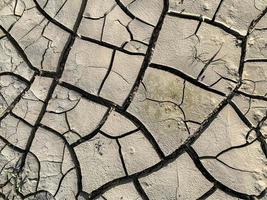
108 72
217 10
33 194
94 132
208 63
20 119
208 193
110 46
130 178
128 12
120 110
225 164
233 147
139 189
197 29
120 136
19 77
16 100
20 50
103 27
61 180
73 156
167 159
148 55
66 29
240 114
208 21
245 41
186 77
208 176
121 158
252 60
59 71
264 98
205 124
11 145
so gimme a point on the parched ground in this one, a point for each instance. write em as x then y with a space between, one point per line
133 99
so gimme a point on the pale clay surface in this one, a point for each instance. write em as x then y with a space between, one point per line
133 99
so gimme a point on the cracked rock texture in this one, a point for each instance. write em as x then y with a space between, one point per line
133 99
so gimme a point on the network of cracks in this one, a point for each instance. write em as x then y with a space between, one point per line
133 99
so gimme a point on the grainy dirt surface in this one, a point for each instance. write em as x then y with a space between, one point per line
133 99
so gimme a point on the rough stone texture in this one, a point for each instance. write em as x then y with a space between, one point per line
133 99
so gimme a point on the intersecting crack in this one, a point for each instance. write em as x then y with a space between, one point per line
133 99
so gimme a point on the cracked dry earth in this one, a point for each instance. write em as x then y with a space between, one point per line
133 99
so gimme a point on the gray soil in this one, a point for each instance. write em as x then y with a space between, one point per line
133 99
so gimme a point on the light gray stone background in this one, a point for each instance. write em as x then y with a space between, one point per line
133 99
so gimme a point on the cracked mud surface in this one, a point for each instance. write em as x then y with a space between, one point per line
133 99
